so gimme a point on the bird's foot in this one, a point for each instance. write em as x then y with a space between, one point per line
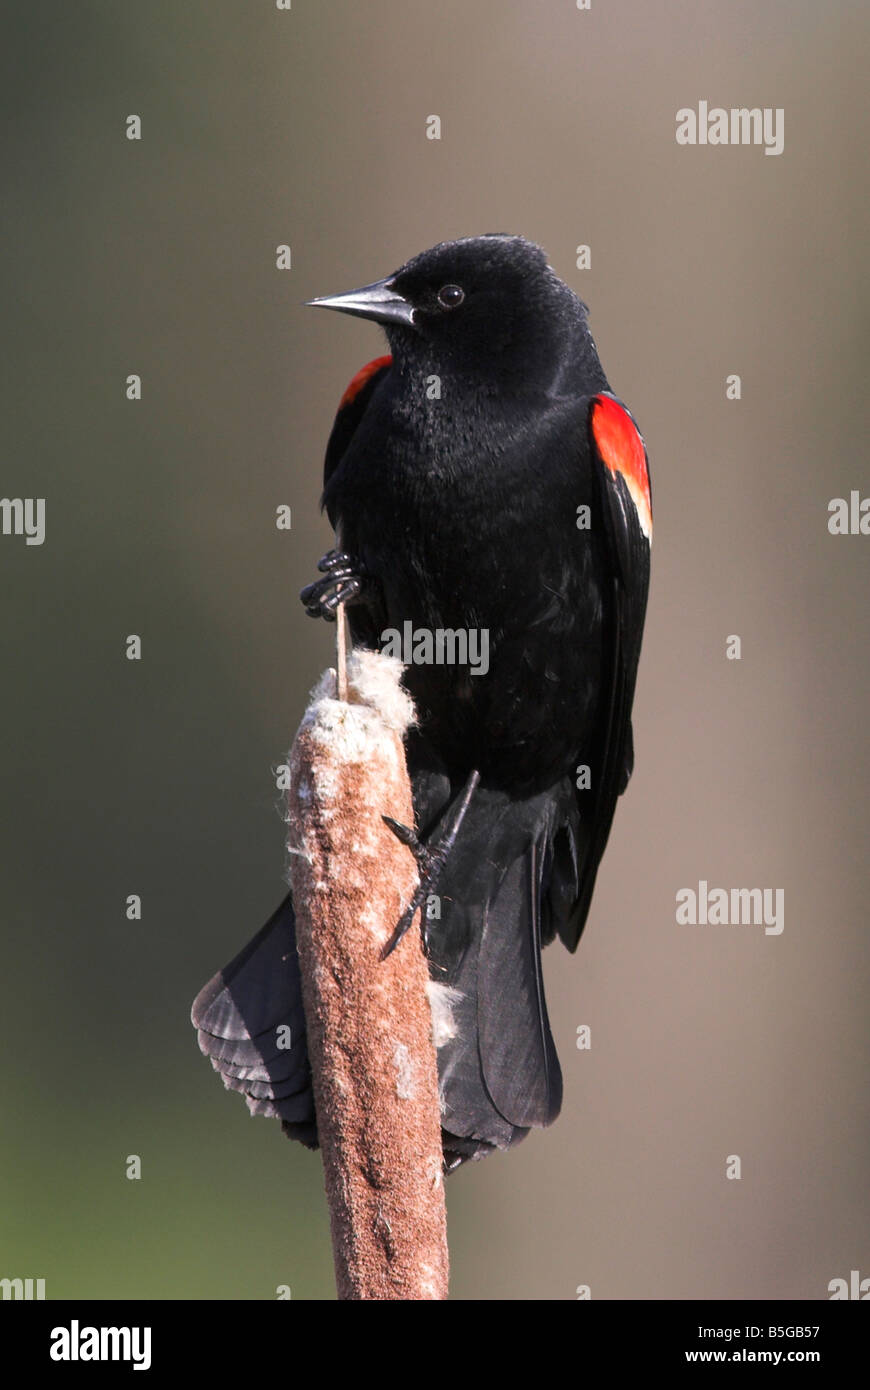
342 583
430 855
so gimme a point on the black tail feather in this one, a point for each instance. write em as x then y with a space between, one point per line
505 889
250 1024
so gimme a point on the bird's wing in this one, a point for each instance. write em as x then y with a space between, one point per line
621 471
366 618
351 409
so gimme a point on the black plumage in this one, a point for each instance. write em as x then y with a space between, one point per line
461 471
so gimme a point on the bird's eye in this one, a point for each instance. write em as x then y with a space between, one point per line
450 296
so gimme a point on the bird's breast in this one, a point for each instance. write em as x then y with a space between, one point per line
490 591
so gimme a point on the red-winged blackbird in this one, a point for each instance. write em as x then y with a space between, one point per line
485 480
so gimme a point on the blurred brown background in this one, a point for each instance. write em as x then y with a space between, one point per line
157 257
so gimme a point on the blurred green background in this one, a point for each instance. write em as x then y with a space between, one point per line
157 257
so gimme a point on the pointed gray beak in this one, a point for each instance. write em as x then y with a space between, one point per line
378 301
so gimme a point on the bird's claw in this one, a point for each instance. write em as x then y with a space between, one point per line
431 856
342 583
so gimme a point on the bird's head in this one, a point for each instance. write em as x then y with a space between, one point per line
488 305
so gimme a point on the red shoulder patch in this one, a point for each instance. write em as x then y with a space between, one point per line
363 376
620 445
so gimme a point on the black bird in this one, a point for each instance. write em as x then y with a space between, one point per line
484 479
